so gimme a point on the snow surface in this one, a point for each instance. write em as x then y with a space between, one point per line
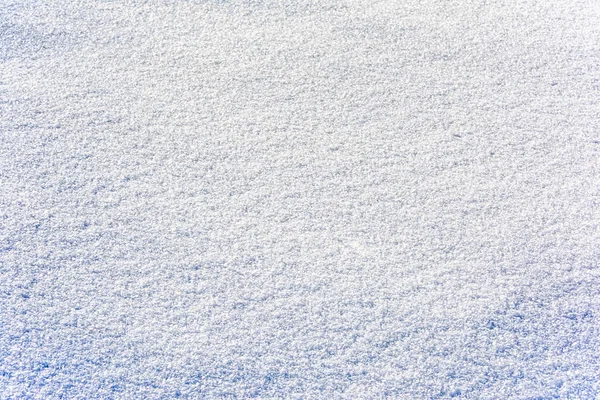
300 199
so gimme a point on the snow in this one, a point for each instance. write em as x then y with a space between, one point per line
300 199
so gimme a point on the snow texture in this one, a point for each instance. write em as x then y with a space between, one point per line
300 199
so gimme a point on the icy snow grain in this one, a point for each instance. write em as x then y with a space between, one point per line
300 199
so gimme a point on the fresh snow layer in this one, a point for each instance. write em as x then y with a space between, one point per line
300 199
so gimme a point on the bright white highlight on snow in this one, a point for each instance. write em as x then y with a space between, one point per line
300 199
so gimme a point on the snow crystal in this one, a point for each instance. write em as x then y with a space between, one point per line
300 199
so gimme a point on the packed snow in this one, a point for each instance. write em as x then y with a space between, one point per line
300 199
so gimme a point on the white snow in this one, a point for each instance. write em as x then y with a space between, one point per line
300 199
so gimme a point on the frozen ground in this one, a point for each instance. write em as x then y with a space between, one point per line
300 199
